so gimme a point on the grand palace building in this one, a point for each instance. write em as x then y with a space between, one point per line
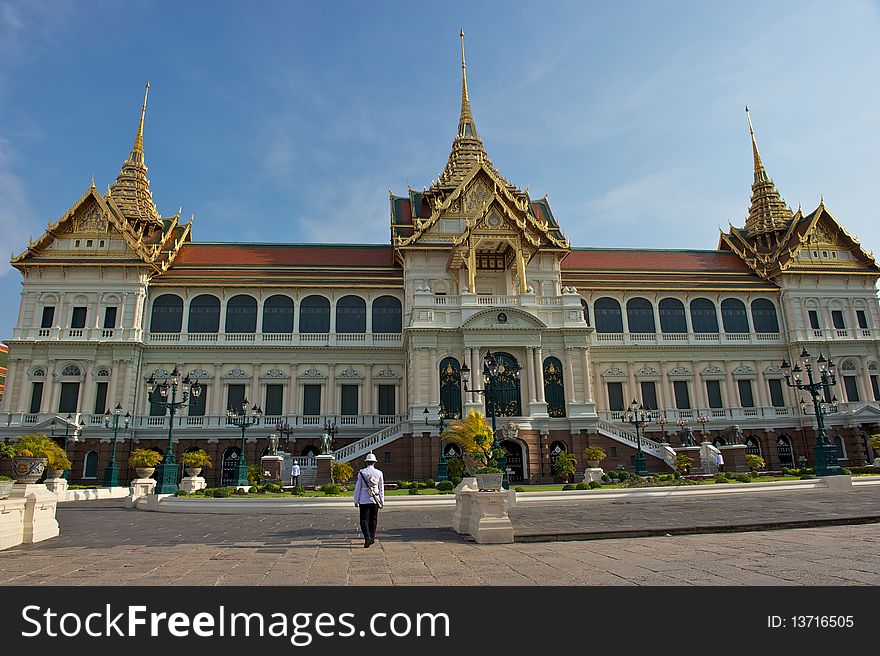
371 340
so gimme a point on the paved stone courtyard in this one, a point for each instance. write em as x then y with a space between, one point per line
102 544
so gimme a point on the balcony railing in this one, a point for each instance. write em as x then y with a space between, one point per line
78 334
292 339
295 421
718 417
827 334
685 338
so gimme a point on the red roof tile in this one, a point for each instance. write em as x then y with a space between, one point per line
296 255
645 260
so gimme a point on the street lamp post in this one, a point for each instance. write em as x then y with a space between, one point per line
825 452
67 435
240 417
443 414
636 415
164 394
661 421
284 431
703 419
111 471
493 371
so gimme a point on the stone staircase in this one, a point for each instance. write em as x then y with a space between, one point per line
658 450
371 442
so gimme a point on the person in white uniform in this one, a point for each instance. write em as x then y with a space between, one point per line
369 497
294 473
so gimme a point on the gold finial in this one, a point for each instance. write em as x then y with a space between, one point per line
466 127
139 137
92 186
759 166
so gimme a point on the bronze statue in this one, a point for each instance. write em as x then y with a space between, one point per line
325 443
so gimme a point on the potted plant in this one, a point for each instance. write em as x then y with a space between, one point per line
144 462
58 462
755 462
31 457
683 463
565 466
194 461
474 437
594 455
6 482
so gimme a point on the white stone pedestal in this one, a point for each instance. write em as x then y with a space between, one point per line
461 518
838 483
39 512
11 522
139 487
489 522
58 486
192 483
593 474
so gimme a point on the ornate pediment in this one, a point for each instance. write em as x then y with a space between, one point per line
237 372
679 371
647 370
614 372
275 374
743 370
502 319
713 370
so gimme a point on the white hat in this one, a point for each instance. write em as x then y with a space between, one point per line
371 457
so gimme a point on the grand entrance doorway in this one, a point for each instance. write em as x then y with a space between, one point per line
229 467
514 454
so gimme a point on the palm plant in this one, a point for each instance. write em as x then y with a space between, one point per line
474 436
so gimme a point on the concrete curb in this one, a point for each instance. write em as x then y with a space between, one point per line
691 530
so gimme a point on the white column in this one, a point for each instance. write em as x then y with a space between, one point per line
256 392
330 403
569 370
368 390
11 372
633 389
435 378
88 394
731 395
419 355
539 374
216 392
585 363
763 391
530 372
700 401
127 394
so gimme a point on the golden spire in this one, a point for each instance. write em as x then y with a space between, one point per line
467 148
466 127
767 212
131 192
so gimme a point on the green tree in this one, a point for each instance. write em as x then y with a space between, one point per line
474 436
754 462
683 462
565 465
341 472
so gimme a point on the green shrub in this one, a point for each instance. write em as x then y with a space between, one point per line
413 490
867 469
743 478
254 474
341 472
181 493
582 486
404 485
676 475
456 480
567 487
274 487
595 484
806 476
565 465
144 458
330 489
430 483
623 475
519 489
454 468
721 478
613 474
445 486
788 472
298 490
846 471
754 461
197 458
220 493
606 478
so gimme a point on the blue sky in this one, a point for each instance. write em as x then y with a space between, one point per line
289 121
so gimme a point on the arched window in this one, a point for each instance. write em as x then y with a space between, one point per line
229 466
753 446
167 314
764 316
204 314
506 399
241 314
783 450
450 385
71 370
608 316
90 467
640 316
586 309
556 448
554 387
314 315
387 316
672 319
733 316
703 316
351 315
278 314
